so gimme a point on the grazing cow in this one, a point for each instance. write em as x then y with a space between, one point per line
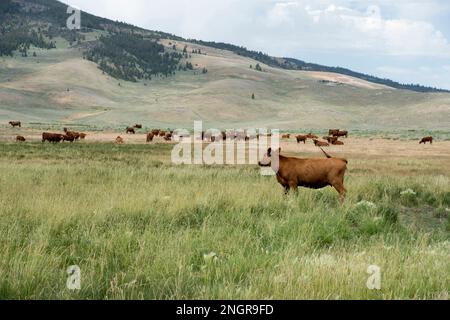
119 140
150 137
331 140
426 139
312 136
332 132
341 134
69 137
156 132
52 137
15 124
130 130
75 135
168 136
286 136
338 143
301 138
309 173
318 143
20 139
138 126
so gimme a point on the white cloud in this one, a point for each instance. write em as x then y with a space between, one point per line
291 25
323 31
337 27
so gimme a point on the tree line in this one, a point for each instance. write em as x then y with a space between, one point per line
131 57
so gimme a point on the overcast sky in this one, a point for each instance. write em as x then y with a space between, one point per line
405 40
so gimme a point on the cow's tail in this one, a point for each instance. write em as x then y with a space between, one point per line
326 154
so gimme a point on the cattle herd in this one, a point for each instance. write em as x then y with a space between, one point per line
332 138
291 172
71 136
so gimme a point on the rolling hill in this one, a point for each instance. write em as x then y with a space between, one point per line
60 77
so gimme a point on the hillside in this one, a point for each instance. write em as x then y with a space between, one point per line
62 79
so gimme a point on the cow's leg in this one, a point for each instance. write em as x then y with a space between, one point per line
339 186
294 187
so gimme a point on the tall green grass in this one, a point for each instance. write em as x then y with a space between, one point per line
139 228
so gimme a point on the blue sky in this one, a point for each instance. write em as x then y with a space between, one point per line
404 40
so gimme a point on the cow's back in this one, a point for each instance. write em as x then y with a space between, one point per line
314 173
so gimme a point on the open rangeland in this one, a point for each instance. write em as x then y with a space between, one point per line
140 227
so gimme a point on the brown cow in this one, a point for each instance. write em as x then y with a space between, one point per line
69 137
119 140
286 136
130 130
52 137
75 135
309 173
15 124
155 132
341 134
332 132
318 143
138 126
338 143
150 137
168 137
426 139
162 133
301 138
83 136
331 140
312 136
20 139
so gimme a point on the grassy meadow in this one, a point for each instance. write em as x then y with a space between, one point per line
141 228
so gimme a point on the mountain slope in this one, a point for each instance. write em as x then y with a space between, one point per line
61 86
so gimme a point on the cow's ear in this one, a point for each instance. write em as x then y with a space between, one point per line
269 152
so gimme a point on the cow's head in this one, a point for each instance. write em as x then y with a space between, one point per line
270 158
